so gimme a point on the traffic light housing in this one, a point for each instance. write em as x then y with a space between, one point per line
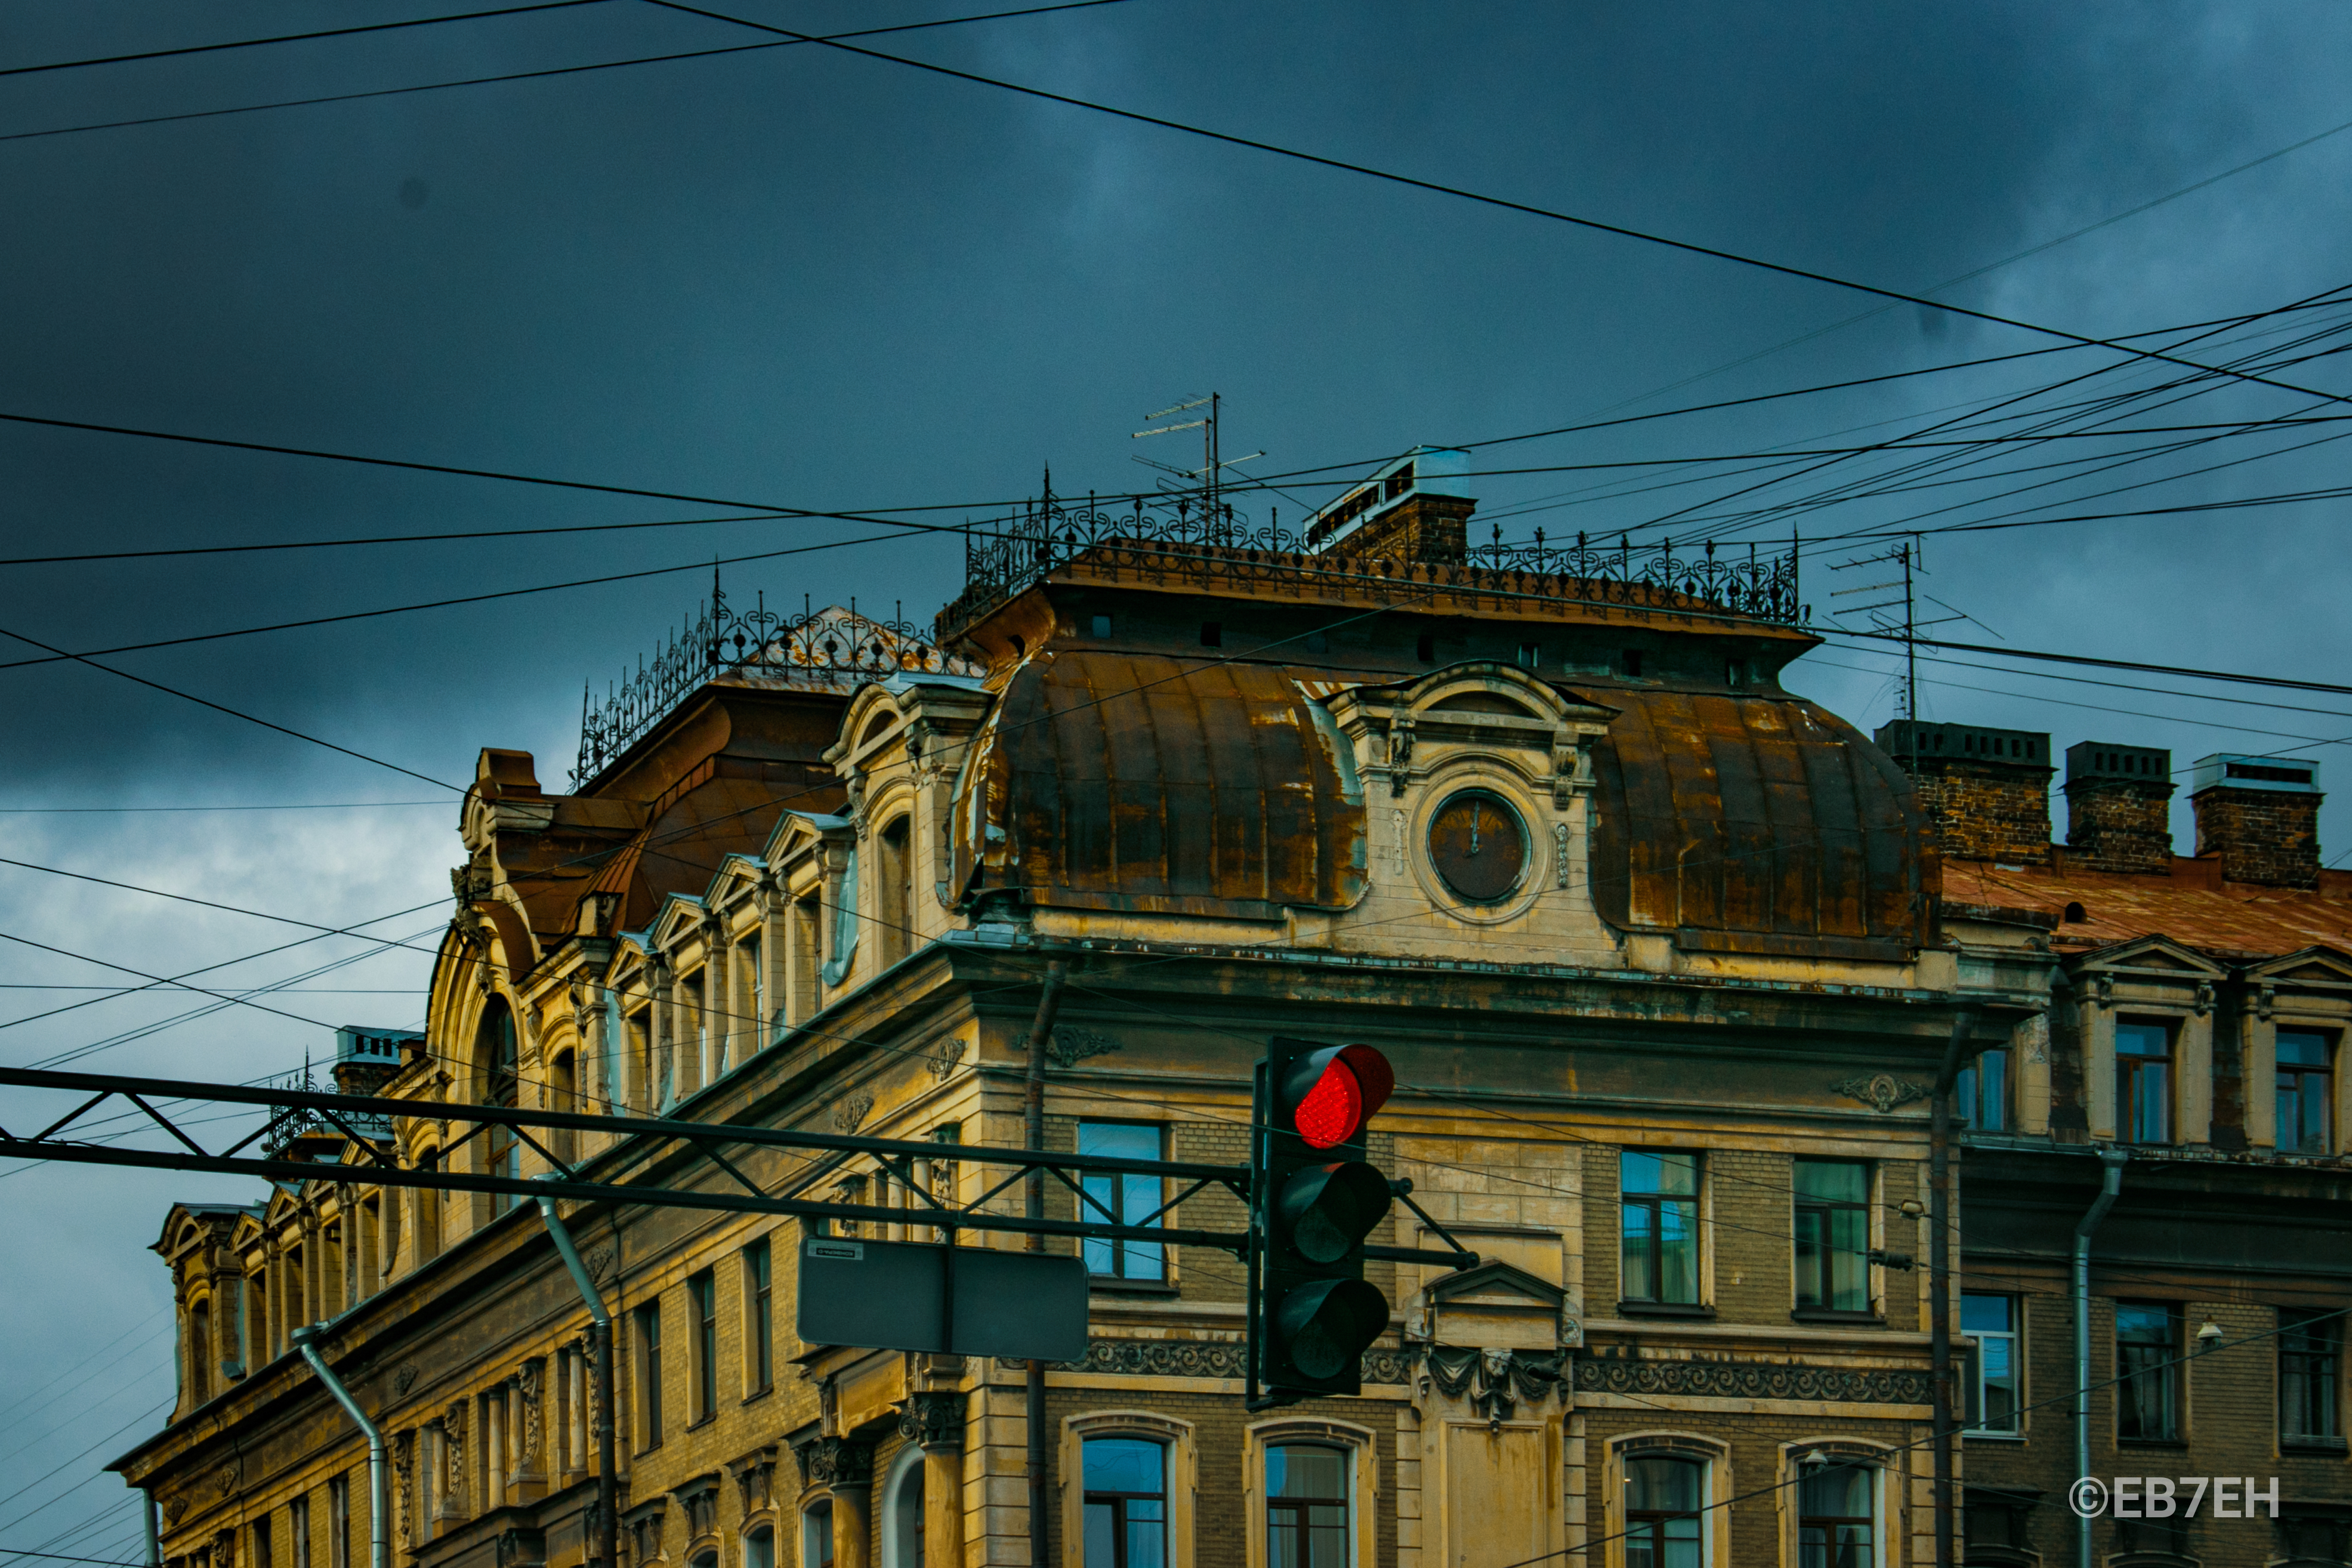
1314 1200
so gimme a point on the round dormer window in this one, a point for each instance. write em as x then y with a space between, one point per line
1479 846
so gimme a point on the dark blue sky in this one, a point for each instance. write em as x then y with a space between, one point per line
796 276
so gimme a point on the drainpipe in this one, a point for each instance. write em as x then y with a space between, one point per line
2111 1182
1032 1128
306 1340
154 1535
1939 1276
600 1331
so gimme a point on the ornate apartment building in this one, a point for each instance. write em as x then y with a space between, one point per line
1652 944
2179 1041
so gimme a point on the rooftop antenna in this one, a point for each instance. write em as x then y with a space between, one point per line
1211 473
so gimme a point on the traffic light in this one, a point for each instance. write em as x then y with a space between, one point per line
1314 1199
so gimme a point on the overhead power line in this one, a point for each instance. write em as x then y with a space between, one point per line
2176 669
1502 203
296 37
531 75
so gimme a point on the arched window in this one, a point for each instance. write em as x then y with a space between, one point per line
816 1535
1306 1505
1125 1502
901 1514
501 1064
200 1351
1663 1497
1836 1519
759 1547
563 1090
895 890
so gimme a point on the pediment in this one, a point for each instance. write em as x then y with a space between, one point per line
796 830
2148 953
1482 688
1497 1284
736 874
679 915
2312 966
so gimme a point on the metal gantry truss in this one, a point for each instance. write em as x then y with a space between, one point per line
378 1162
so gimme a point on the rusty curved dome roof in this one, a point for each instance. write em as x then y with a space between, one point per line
1205 789
1759 824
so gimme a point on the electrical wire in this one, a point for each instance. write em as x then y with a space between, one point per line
294 37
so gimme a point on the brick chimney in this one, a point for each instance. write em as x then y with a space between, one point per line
1986 792
2261 817
2119 806
1417 509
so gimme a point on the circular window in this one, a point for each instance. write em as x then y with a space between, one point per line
1479 846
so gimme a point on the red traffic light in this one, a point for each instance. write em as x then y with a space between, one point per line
1330 1094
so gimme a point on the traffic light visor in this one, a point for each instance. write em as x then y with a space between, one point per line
1333 1093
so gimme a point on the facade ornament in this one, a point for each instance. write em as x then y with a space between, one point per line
698 1498
943 1055
850 1112
1400 842
529 1383
2102 989
2266 1000
600 1261
404 1483
835 1462
1399 752
1881 1091
1559 854
1497 1380
2204 998
225 1479
403 1378
755 1479
175 1507
583 1006
933 1419
1069 1046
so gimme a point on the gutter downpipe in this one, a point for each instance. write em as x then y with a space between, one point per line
306 1340
608 1522
155 1536
2111 1182
1939 1276
1033 1129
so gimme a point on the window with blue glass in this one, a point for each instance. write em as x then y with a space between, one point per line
1832 1236
1662 1499
2305 1088
1658 1227
1837 1523
1126 1483
1306 1505
1980 1092
1992 1321
2144 1083
1124 1200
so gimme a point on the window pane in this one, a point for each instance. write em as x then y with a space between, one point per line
1678 1251
1986 1314
1639 1243
1662 1485
2299 1048
1835 1491
1671 1173
1147 1533
1991 1100
1849 1278
1102 1536
1294 1470
2142 1040
1835 1179
1124 1465
1123 1140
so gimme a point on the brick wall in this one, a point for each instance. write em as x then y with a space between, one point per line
1986 811
1420 528
2120 825
2268 836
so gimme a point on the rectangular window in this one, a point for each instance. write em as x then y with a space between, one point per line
1123 1200
702 1304
1126 1482
2144 1083
1980 1093
2305 1089
697 1028
2310 1359
2147 1366
1837 1525
1993 1321
339 1521
1832 1235
261 1544
1306 1505
755 982
1662 1503
1658 1239
759 1316
649 1375
297 1530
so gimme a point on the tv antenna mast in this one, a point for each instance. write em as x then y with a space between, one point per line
1211 474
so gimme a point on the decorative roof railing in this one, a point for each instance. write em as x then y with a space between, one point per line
831 649
1004 558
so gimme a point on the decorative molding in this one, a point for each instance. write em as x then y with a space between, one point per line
933 1419
600 1261
1752 1380
225 1479
1503 1377
698 1498
403 1378
1559 854
944 1053
528 1383
849 1114
1068 1046
1881 1091
835 1462
1222 1359
755 1478
1400 842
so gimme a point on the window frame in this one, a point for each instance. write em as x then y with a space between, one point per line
298 1531
1363 1483
1656 1203
2322 1093
1970 1096
1181 1477
2174 1384
816 1516
2130 1068
2014 1337
702 1346
759 1317
889 1547
1119 1252
1712 1455
1800 1203
2296 1330
339 1521
645 1347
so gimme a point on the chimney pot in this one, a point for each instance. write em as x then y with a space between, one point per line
1986 792
2260 817
2118 806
